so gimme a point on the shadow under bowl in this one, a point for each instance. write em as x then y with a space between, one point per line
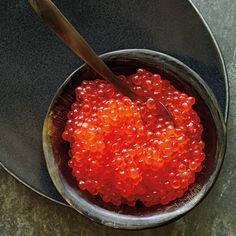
139 217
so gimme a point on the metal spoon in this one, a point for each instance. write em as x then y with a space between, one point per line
58 23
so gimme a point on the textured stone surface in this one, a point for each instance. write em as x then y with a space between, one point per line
24 212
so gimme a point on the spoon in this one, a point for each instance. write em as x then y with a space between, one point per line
58 23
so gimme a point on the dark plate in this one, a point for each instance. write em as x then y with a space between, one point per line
34 63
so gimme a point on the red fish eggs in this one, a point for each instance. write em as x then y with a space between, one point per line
128 151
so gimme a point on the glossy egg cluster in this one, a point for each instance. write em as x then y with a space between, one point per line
127 151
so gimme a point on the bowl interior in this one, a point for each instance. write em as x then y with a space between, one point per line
56 150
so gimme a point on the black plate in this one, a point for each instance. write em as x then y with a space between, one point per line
34 63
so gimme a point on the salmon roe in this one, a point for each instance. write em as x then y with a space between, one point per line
128 151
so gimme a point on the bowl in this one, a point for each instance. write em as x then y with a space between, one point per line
139 217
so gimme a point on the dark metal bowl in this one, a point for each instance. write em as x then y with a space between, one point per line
138 217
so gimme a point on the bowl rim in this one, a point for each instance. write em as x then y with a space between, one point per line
114 219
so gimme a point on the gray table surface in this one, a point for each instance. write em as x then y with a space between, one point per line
24 212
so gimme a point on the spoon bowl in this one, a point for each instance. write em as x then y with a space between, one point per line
139 217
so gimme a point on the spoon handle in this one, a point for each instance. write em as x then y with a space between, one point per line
58 23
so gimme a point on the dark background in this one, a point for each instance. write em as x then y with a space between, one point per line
23 212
